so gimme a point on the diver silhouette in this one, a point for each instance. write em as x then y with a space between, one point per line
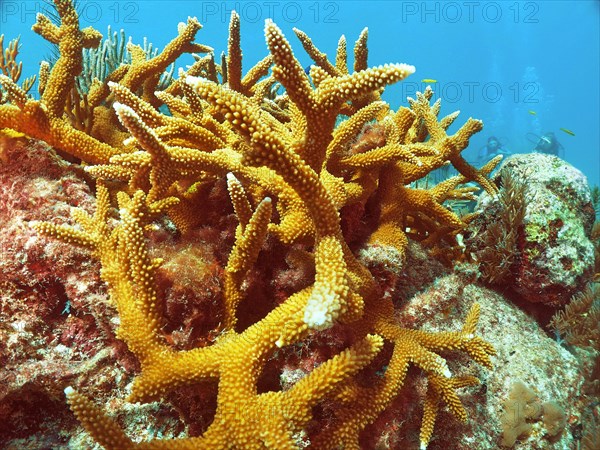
492 149
548 144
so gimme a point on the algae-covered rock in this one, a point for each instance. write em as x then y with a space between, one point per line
553 256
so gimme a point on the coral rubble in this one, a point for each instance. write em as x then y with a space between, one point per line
282 307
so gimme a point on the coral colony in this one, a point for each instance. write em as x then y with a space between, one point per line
265 263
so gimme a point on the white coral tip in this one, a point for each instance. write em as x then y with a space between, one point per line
69 390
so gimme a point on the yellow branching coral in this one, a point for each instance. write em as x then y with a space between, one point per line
10 67
129 272
8 59
290 173
45 118
250 238
405 159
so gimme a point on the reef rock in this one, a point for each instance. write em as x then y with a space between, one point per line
553 255
524 353
56 324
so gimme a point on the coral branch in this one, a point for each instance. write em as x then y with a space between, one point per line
300 184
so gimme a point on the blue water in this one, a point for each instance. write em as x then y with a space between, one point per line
492 60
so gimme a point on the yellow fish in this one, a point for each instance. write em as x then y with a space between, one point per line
533 113
428 80
10 133
567 131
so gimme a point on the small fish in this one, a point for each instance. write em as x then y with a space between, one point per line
10 133
428 80
533 113
567 131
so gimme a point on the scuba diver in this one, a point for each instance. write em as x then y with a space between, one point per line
548 144
492 149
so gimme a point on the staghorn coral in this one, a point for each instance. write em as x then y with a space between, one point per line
98 64
290 172
42 118
113 51
45 118
11 68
